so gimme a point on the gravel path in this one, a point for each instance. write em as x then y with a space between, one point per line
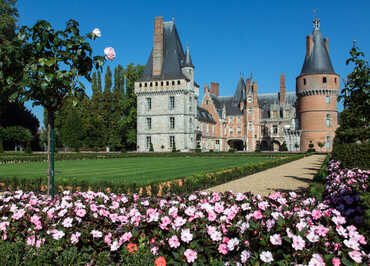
293 176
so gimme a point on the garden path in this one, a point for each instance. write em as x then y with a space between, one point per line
294 176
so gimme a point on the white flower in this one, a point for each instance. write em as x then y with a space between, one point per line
186 236
58 234
232 243
266 256
67 222
244 256
115 245
96 33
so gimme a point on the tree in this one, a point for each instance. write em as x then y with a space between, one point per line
53 63
17 135
354 120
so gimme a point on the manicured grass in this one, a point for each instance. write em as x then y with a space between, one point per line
140 170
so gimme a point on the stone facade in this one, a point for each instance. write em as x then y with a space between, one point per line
168 114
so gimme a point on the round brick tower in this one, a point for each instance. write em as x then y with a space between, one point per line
317 87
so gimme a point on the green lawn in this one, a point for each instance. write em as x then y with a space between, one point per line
139 170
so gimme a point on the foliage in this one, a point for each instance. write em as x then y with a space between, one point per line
151 149
352 155
1 145
311 147
17 135
201 228
28 149
284 147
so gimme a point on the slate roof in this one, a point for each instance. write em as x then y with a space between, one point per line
318 62
204 116
173 57
265 100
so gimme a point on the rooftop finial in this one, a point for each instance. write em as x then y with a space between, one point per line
316 20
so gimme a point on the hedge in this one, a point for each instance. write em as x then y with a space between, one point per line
14 158
352 155
189 184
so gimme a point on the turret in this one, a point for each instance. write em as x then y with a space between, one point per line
317 87
188 67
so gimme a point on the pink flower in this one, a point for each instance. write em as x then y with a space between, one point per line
96 234
336 261
186 236
234 242
18 214
67 222
190 255
266 256
316 260
108 239
75 237
211 216
58 234
31 240
352 243
244 256
316 214
321 230
165 221
110 54
174 242
275 239
356 256
80 212
222 248
125 237
257 215
298 243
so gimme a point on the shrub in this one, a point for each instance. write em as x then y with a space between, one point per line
1 146
352 155
311 147
28 148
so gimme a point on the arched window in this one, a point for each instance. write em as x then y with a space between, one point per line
151 84
140 85
328 120
156 83
145 85
178 82
167 83
173 83
324 80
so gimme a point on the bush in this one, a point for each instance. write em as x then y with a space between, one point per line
1 146
352 155
151 149
28 148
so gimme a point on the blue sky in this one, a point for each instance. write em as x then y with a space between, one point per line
225 37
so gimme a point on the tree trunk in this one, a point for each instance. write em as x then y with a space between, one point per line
50 148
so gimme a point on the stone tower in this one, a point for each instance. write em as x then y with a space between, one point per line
317 87
167 94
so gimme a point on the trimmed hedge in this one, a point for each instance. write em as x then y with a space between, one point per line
189 184
14 158
352 155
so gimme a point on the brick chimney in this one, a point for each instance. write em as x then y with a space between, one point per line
248 84
255 92
282 89
326 41
215 88
309 44
158 46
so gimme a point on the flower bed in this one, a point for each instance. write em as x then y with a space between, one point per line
201 228
347 190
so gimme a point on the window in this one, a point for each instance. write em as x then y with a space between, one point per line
213 129
156 83
328 120
275 114
172 123
268 114
231 131
145 85
328 142
207 129
217 142
335 80
148 142
324 80
178 82
206 102
151 84
140 85
190 124
167 83
172 142
249 99
275 130
148 123
161 83
239 119
281 114
172 102
304 81
249 110
148 104
250 125
239 131
327 99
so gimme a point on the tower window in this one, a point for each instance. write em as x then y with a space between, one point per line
178 82
304 81
324 80
148 142
335 80
327 99
249 99
328 120
148 123
172 141
172 123
281 114
275 130
172 102
148 104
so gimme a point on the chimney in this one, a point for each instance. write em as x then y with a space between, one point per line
326 41
282 89
205 88
248 84
215 88
158 46
255 92
309 44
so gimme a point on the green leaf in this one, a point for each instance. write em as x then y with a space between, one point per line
51 62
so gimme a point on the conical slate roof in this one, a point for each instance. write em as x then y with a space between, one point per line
173 56
188 62
318 62
239 94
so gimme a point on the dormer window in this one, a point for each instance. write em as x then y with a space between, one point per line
324 80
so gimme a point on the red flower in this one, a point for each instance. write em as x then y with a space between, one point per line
132 248
160 261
